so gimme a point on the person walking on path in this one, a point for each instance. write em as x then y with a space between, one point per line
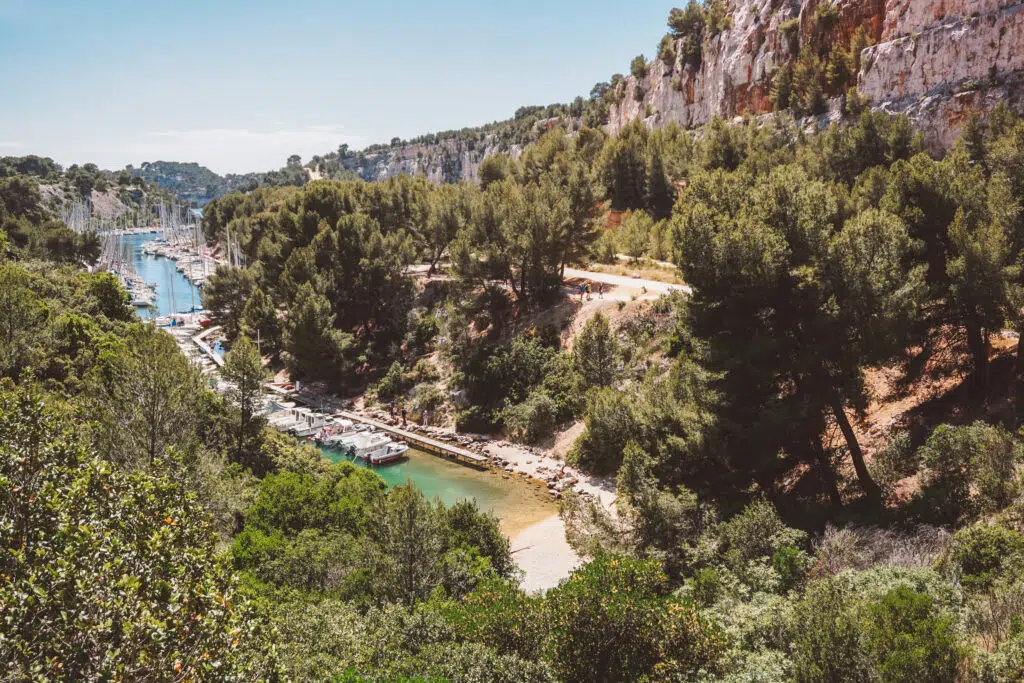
581 292
600 290
588 291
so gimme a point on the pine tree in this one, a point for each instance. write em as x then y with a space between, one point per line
243 368
596 353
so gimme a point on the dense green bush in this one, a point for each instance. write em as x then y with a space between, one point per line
758 532
428 396
392 383
532 420
981 553
957 458
610 423
621 600
909 641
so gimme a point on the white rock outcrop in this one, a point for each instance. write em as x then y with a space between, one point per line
936 60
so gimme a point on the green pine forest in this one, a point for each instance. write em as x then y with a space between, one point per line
152 529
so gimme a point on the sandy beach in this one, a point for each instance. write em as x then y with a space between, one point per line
543 554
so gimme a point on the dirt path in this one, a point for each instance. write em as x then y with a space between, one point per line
627 286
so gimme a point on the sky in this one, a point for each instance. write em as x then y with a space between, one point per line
240 86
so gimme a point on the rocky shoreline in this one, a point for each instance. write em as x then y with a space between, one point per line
513 459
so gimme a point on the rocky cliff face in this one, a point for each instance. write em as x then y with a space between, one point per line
935 60
446 161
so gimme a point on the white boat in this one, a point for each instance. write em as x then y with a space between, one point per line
376 448
333 436
357 435
310 424
287 419
394 451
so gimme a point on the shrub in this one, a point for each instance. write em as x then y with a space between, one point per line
758 532
896 461
474 419
532 420
1006 665
981 551
909 641
428 397
826 15
611 422
423 329
707 586
667 50
638 67
956 457
846 633
790 564
827 645
425 371
392 383
612 622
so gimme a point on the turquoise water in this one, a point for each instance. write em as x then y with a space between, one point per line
162 272
516 503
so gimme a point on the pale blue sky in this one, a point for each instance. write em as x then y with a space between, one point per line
238 86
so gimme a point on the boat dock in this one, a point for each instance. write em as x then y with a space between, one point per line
421 442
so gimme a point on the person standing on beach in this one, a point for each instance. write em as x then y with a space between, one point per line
403 415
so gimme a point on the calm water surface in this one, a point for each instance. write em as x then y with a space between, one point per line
516 503
162 272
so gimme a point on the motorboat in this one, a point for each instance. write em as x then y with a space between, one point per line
366 444
285 420
310 424
394 451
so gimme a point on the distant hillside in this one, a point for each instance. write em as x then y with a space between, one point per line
453 155
193 182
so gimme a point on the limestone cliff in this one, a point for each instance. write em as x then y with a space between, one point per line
444 161
935 60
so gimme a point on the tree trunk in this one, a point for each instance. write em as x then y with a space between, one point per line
978 345
828 475
866 482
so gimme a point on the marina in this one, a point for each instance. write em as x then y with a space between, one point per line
172 291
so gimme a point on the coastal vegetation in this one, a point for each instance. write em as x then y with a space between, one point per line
815 447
